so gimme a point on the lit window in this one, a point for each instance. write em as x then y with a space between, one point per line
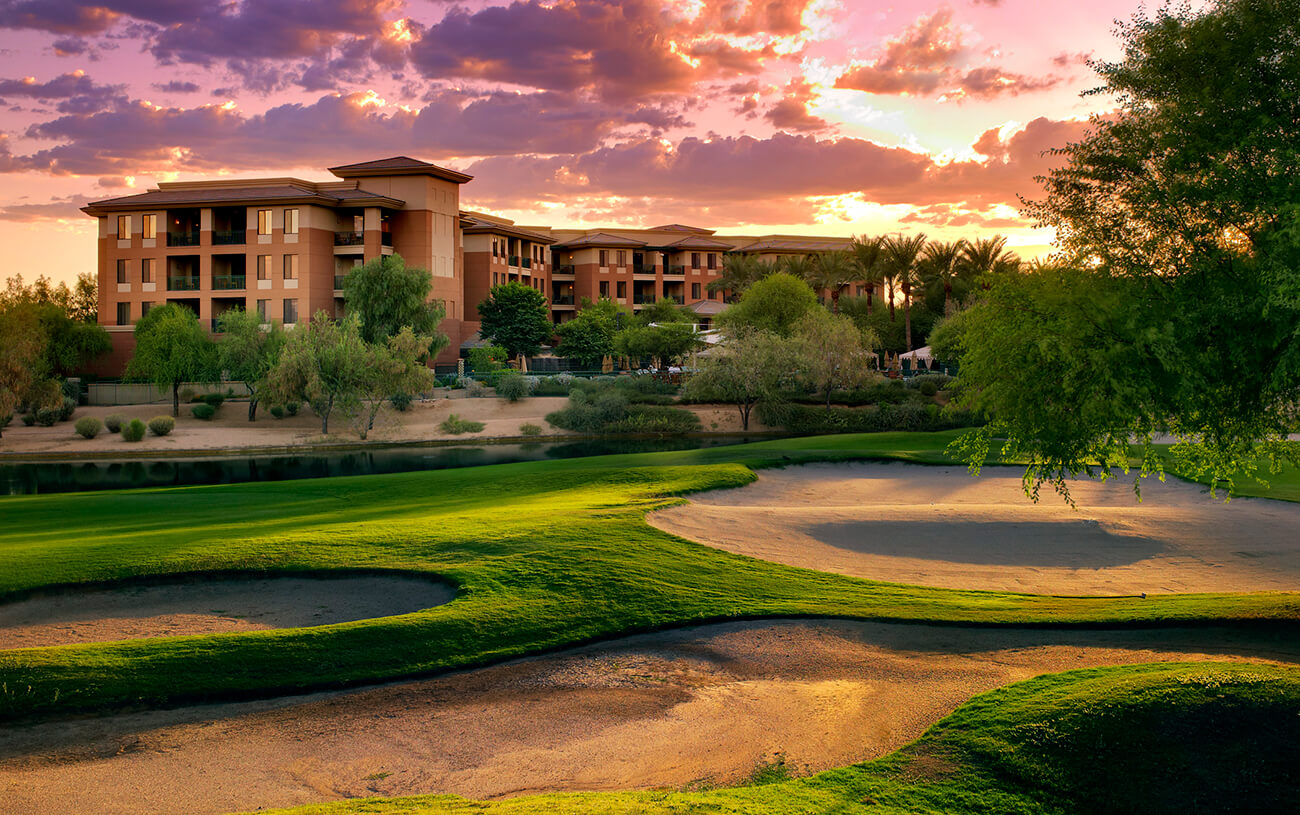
263 267
146 270
291 222
149 227
290 267
290 312
124 227
264 222
121 272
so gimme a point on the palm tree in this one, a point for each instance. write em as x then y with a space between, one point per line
739 272
901 256
832 271
989 256
801 266
868 254
939 266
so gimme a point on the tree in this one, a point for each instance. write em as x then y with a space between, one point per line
986 257
832 271
1175 303
516 317
901 257
247 353
665 344
774 304
748 368
940 262
589 337
386 295
323 364
65 323
171 348
739 272
21 341
832 353
868 256
665 310
397 366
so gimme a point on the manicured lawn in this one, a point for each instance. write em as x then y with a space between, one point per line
1164 739
545 554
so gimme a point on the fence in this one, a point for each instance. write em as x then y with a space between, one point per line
146 393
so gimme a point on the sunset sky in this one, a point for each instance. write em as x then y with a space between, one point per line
810 116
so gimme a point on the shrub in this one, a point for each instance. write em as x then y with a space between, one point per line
186 394
530 429
291 408
5 419
88 427
198 399
400 401
811 420
512 387
46 417
940 381
655 419
455 425
161 425
29 419
473 388
608 408
553 385
114 422
214 399
204 411
928 389
277 411
133 431
69 408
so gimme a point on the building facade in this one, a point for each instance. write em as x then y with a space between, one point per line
282 246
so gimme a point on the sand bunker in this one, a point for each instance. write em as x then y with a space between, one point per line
938 526
212 606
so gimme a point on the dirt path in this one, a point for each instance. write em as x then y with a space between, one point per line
211 607
938 526
690 707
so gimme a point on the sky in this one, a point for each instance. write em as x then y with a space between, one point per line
822 117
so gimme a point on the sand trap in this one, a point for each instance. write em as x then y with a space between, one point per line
687 708
212 606
938 526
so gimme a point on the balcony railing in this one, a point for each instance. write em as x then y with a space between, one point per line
228 237
385 238
562 300
526 263
227 282
564 269
338 281
349 238
676 271
514 260
643 299
676 298
183 283
643 268
183 238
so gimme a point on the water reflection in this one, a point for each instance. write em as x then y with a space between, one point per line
31 479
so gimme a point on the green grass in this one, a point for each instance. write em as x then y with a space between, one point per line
545 555
1163 739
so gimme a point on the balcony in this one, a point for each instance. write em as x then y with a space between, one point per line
183 238
526 263
676 298
643 299
674 271
562 300
227 282
386 239
564 269
183 283
228 237
338 281
349 238
514 260
643 268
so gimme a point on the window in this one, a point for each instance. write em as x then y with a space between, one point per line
149 227
264 222
121 272
262 306
144 308
713 260
290 267
123 313
604 288
695 260
290 312
604 258
695 291
291 222
124 227
622 288
263 267
622 258
146 270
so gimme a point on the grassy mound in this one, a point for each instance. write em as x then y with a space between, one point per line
1164 739
545 555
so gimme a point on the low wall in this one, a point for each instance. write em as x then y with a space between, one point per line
144 393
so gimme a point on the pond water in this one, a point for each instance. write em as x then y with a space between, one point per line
106 474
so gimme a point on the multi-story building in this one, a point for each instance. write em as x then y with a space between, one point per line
282 246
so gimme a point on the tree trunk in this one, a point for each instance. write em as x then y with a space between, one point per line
869 299
176 400
744 414
891 301
325 417
907 314
947 295
252 407
835 301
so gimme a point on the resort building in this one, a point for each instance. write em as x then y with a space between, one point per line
282 246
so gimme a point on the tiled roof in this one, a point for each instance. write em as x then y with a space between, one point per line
697 242
398 165
793 245
279 193
681 228
708 308
477 226
601 239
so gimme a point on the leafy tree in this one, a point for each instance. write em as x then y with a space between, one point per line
516 317
868 258
20 339
774 304
324 364
171 348
395 367
387 295
65 322
748 368
1178 213
487 358
832 271
902 257
665 310
666 344
589 337
832 352
247 353
946 337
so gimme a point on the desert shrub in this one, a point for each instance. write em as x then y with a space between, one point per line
558 385
114 422
928 389
88 427
512 387
29 419
186 394
608 408
133 430
455 425
812 420
940 381
161 425
214 399
46 417
655 419
203 411
530 429
291 408
277 411
400 401
638 390
69 407
473 388
198 399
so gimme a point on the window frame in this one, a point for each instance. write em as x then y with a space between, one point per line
289 267
265 225
148 270
123 274
121 220
121 307
291 221
604 258
264 267
149 227
290 304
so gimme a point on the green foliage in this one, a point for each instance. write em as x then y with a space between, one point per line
162 425
291 408
247 353
323 363
393 367
665 344
29 419
946 337
745 369
831 352
739 272
530 429
456 425
664 310
512 387
385 295
134 430
928 388
589 337
486 359
171 348
214 399
88 427
904 416
114 422
773 304
48 417
516 317
203 410
277 411
622 404
401 402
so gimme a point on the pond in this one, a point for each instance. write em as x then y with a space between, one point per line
106 474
